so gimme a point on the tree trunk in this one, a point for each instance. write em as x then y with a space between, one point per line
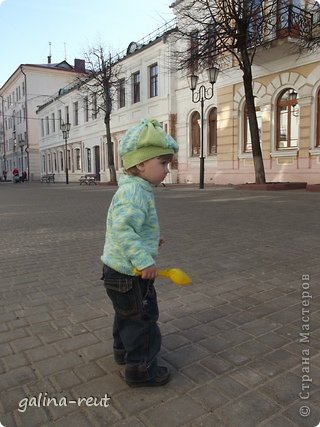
251 112
112 170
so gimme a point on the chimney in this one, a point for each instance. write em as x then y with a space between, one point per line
79 65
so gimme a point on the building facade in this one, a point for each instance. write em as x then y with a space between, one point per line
28 87
145 88
286 87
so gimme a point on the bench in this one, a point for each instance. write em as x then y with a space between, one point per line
47 178
88 179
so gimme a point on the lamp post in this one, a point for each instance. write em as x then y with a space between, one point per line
65 128
201 95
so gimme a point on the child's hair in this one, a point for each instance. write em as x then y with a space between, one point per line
134 171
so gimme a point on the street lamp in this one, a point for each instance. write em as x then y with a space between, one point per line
65 128
200 95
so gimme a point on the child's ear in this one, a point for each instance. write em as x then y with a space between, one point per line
140 166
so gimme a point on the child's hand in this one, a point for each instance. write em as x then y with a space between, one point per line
149 272
161 242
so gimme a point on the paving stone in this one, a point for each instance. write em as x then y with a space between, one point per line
178 412
229 387
76 419
25 343
33 416
248 411
76 342
284 389
198 373
15 361
186 355
217 364
273 340
174 341
58 363
16 377
40 353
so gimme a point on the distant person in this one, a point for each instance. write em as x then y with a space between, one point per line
4 173
24 176
132 241
16 176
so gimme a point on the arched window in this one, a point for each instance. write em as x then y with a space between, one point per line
212 139
195 134
287 119
247 143
318 120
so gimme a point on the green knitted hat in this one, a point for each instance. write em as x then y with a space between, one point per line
144 142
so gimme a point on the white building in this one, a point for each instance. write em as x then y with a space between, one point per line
28 87
146 88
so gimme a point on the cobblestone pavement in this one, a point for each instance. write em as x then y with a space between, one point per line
242 342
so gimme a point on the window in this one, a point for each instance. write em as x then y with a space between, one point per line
53 120
89 160
78 159
66 114
61 160
247 144
94 106
42 127
60 118
136 87
69 159
318 120
86 109
47 125
153 75
76 113
287 119
121 93
49 163
212 140
211 45
194 52
195 134
55 164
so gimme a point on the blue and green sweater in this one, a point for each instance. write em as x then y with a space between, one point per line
132 232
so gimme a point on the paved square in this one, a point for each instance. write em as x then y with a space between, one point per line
242 342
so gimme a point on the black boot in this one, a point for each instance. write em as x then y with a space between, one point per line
139 377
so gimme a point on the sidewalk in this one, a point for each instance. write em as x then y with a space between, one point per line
242 342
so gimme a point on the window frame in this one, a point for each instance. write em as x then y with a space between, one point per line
288 104
136 80
212 132
195 134
153 80
121 93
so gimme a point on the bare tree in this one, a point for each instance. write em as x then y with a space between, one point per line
219 30
101 82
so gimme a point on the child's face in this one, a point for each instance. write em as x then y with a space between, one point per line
154 170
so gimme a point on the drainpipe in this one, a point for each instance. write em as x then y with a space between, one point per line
26 118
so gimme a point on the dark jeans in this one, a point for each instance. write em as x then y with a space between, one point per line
135 328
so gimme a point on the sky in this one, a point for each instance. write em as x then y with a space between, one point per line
72 26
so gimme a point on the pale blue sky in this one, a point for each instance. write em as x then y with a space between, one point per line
27 27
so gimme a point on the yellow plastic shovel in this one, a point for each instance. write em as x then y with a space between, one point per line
176 275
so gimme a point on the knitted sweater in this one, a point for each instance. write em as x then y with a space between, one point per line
132 233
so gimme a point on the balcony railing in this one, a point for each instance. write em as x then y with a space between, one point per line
286 21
